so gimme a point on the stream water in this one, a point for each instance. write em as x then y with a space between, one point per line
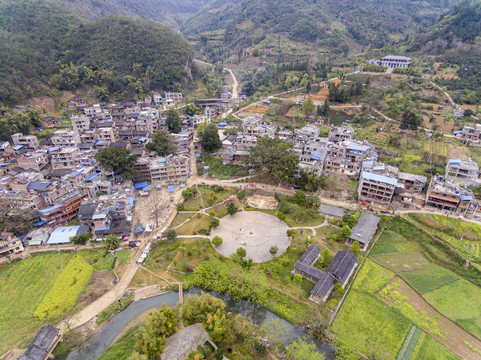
95 346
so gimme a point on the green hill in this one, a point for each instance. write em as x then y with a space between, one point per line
43 43
462 24
328 23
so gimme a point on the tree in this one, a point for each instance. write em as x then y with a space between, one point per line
214 223
325 108
274 250
112 242
350 220
154 205
191 109
308 106
272 157
188 193
298 278
170 235
468 112
355 247
231 208
300 198
345 352
241 252
345 232
309 87
81 239
410 120
173 121
161 143
276 330
117 160
217 241
156 328
303 350
210 138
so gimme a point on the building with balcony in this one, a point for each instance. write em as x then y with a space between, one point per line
462 171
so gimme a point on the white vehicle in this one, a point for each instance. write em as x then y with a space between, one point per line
148 229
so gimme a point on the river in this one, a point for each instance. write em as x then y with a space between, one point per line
95 346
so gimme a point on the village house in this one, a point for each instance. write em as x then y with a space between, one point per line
444 194
339 270
462 171
471 134
10 244
80 122
28 141
331 211
172 169
42 344
346 157
377 182
340 133
395 61
76 102
364 230
65 138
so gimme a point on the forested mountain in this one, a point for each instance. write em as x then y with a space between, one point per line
42 42
462 24
168 12
365 22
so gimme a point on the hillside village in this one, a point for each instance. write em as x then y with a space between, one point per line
53 181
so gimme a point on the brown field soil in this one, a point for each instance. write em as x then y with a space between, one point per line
263 201
437 65
256 109
446 76
454 336
66 96
46 103
99 284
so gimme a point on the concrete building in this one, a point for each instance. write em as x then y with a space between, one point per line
66 138
80 122
170 170
10 245
394 61
377 182
444 194
65 158
174 97
462 171
346 157
341 133
471 134
37 160
28 141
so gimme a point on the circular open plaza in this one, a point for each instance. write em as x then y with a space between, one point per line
254 231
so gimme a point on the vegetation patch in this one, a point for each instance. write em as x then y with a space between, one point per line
123 347
67 288
458 300
368 324
429 277
372 277
23 285
429 349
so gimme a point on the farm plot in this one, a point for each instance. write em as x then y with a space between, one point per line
429 277
391 242
429 349
23 286
368 324
372 277
401 262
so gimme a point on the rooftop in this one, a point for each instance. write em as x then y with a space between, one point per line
365 228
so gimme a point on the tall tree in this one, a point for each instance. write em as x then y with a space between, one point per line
173 121
410 120
161 143
210 138
117 160
154 205
273 157
308 107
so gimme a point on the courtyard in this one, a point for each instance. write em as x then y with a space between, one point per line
255 231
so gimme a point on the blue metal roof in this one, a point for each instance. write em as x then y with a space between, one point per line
100 228
182 184
358 147
466 198
130 200
170 188
91 177
17 147
55 148
39 223
141 185
379 178
315 157
99 216
43 211
62 234
368 163
162 160
75 173
454 161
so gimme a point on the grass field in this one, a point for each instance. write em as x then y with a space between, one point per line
23 286
392 243
368 324
429 277
194 225
429 349
458 300
372 277
401 262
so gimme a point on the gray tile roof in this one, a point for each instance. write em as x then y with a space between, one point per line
331 211
365 228
310 255
40 345
342 264
324 286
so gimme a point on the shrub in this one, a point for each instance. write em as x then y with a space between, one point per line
273 250
217 241
298 278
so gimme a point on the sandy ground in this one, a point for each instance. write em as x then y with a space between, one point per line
254 231
262 201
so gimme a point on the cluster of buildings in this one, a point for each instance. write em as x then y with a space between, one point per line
392 61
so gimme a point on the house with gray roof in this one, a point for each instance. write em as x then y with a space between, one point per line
339 270
331 211
43 344
364 230
180 344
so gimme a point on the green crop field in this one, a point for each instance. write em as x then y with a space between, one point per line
24 284
458 300
368 324
401 262
429 349
391 242
429 277
372 277
472 325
